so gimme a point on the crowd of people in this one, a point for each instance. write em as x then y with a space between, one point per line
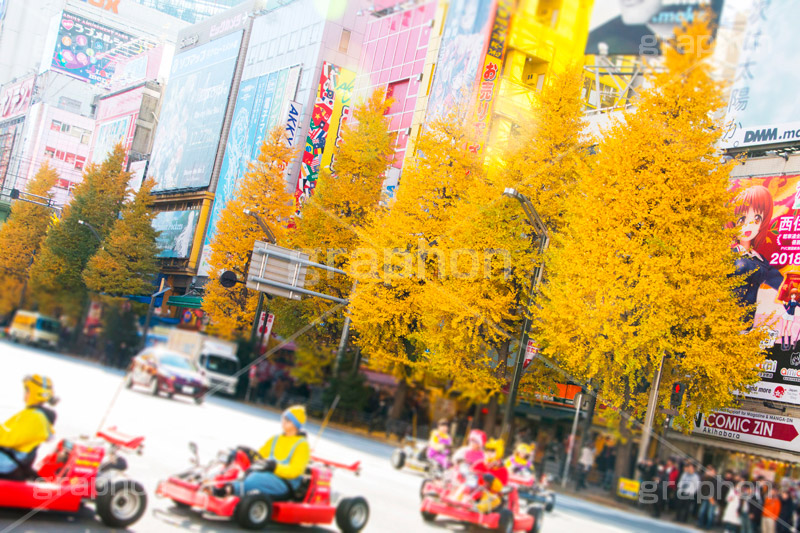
710 499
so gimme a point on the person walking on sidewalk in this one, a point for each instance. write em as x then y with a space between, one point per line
585 463
745 513
772 509
688 484
709 492
786 516
730 516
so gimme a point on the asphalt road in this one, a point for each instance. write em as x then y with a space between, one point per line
88 392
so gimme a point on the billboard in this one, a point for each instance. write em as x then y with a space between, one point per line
15 99
461 54
87 50
191 118
318 127
176 232
257 111
768 246
626 27
763 107
116 122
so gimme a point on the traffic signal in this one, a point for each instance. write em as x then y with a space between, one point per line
676 396
14 194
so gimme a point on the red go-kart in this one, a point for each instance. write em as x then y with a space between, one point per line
439 498
86 469
310 504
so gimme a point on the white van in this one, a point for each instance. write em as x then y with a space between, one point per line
215 357
34 328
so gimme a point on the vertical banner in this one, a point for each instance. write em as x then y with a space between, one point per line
341 114
257 112
461 53
317 133
490 73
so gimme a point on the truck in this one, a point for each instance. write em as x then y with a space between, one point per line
34 328
215 358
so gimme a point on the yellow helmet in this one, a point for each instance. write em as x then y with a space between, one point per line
39 388
523 449
497 446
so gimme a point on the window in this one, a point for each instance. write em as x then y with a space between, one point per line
534 71
344 41
55 125
85 137
65 128
50 152
79 162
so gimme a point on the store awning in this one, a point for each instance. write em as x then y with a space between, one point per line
187 302
544 411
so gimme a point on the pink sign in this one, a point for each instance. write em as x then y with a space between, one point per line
16 98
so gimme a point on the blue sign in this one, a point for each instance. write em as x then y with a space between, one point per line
190 124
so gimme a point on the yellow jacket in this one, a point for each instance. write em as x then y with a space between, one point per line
25 430
291 453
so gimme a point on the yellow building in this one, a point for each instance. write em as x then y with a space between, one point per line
543 37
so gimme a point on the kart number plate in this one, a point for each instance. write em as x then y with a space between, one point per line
188 390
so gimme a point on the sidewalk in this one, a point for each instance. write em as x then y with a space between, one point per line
602 497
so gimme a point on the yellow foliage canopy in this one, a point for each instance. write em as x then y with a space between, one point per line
21 236
263 191
643 267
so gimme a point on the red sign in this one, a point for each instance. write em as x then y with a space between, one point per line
531 349
775 431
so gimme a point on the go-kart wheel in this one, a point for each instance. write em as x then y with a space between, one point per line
398 459
153 386
254 511
550 503
428 517
538 517
506 522
352 514
120 502
128 381
199 400
422 489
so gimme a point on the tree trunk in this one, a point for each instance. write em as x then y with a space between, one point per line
622 468
399 400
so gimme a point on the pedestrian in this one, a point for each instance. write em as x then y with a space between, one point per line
707 496
757 504
745 514
730 516
585 463
786 516
772 509
688 484
672 483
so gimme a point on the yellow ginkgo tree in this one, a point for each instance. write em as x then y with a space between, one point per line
20 239
263 191
643 269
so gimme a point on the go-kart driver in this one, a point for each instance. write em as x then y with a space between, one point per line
473 452
520 463
494 476
286 457
21 435
439 445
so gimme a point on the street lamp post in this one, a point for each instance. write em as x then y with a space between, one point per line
540 231
153 297
91 228
260 305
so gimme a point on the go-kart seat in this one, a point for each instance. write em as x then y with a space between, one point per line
298 494
24 470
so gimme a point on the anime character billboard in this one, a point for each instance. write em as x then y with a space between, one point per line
461 54
768 246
